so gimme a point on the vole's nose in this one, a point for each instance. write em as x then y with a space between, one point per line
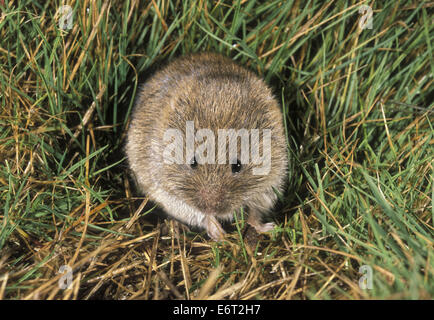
211 198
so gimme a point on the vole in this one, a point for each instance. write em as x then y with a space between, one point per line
184 117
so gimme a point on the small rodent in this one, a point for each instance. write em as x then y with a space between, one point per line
207 91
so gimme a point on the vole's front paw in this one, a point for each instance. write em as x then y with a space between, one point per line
255 221
265 227
214 229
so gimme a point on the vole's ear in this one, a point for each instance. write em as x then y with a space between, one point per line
177 102
172 104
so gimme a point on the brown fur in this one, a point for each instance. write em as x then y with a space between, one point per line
215 93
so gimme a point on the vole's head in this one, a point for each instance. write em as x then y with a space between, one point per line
201 166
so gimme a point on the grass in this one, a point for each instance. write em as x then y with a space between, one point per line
359 114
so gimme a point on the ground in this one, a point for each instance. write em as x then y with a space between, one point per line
356 92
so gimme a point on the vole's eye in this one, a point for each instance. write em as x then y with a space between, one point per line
193 163
236 167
